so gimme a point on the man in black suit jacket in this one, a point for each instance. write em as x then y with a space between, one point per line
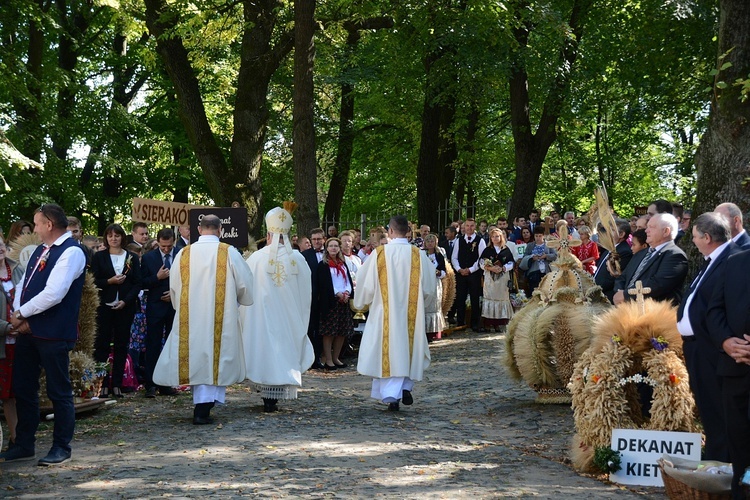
712 237
313 256
733 213
159 310
663 269
729 326
602 276
449 240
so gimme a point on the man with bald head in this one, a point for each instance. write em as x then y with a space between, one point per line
734 215
208 283
663 268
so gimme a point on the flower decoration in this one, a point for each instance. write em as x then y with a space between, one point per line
43 261
616 339
674 379
595 378
659 343
638 379
127 263
473 245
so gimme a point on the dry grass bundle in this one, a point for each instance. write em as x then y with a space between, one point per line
449 288
87 317
22 247
628 342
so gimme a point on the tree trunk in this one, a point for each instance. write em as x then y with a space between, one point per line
340 177
723 157
437 148
259 59
531 147
303 142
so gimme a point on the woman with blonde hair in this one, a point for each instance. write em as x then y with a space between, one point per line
497 261
433 313
333 290
588 251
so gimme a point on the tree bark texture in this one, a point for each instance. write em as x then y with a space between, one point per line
303 134
239 179
531 146
723 156
437 147
345 148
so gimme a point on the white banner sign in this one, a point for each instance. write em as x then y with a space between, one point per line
639 451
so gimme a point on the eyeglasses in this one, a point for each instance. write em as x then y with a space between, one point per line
40 210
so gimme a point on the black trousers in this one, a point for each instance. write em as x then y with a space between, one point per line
158 326
701 359
113 328
736 398
470 285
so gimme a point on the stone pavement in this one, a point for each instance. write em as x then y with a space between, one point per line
472 432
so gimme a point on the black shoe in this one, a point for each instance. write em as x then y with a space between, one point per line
56 456
168 391
317 365
340 365
393 406
270 405
151 392
202 420
406 397
330 367
479 329
16 454
117 393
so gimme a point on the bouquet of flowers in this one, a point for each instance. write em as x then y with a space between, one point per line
518 299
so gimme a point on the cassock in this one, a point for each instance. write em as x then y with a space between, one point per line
394 281
277 348
208 281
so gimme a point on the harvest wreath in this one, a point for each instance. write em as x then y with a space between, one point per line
631 347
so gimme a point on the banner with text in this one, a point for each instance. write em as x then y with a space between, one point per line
168 213
640 450
233 224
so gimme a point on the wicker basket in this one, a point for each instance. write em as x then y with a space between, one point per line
678 490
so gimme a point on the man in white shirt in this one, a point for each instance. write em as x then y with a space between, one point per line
46 304
734 215
465 260
711 235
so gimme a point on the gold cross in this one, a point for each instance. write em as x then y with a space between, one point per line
639 291
282 216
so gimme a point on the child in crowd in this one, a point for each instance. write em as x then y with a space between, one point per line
536 261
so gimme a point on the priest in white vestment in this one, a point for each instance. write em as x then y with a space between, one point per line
207 283
277 348
395 281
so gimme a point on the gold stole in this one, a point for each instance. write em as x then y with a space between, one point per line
411 317
220 295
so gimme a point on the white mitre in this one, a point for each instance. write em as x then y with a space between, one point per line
278 223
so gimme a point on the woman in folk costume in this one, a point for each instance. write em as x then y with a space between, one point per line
395 281
333 290
497 261
434 319
277 348
208 280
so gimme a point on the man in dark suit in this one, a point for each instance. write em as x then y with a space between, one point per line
602 276
449 241
729 326
711 236
138 234
159 310
183 237
663 269
313 256
733 213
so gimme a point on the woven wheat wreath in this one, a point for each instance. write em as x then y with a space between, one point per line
629 341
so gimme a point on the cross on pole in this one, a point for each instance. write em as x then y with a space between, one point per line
639 291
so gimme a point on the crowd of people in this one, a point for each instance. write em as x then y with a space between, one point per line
153 305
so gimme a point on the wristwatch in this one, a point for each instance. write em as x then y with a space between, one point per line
18 315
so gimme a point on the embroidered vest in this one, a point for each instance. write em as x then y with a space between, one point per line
59 322
467 256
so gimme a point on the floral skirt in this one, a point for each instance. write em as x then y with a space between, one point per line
339 321
6 372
